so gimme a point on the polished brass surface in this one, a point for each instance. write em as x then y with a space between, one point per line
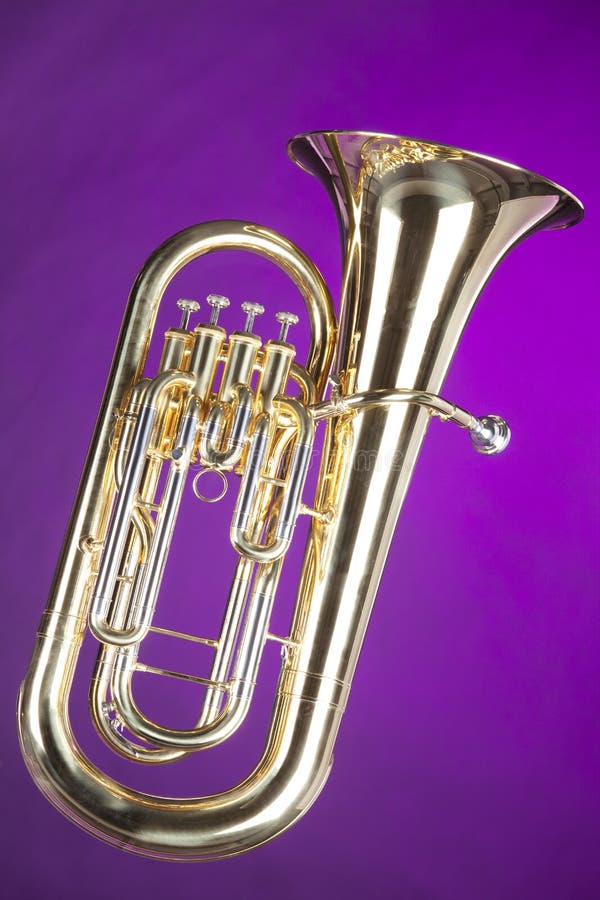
422 226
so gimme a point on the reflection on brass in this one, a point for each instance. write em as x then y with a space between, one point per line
382 155
423 226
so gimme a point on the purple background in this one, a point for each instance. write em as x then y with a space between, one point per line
467 765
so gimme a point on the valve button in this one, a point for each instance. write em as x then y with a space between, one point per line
286 319
187 307
218 302
252 310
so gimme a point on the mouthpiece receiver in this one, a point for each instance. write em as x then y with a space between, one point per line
490 435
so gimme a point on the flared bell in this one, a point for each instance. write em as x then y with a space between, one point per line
423 225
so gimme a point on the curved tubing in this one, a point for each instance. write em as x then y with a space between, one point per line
100 709
200 738
104 673
117 534
283 785
242 516
241 684
240 691
141 609
243 400
104 676
141 519
290 775
489 434
437 406
230 625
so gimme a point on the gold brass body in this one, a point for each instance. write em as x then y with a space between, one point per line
422 228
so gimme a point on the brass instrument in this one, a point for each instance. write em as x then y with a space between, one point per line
423 225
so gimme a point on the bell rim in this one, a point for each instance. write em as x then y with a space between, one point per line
570 211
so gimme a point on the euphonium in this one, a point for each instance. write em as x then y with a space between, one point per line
423 225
